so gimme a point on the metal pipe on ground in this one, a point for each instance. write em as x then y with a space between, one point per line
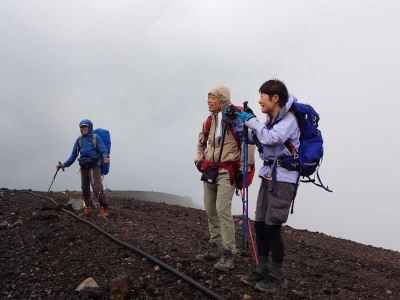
155 260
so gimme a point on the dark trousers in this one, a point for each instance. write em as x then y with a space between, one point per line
269 240
273 204
91 176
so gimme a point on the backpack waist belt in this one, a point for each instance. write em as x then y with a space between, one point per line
273 163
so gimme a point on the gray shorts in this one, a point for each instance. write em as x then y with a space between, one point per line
273 206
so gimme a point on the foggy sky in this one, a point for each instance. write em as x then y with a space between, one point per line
143 70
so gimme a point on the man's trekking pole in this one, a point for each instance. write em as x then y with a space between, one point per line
245 194
54 177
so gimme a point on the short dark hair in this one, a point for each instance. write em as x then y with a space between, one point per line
275 87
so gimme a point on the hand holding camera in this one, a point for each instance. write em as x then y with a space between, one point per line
230 112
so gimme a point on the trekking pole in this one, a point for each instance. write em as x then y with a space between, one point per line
54 177
253 245
251 238
245 194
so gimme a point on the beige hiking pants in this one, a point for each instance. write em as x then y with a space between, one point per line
218 203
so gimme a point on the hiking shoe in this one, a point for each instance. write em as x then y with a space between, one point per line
258 274
275 271
252 278
87 211
213 252
226 262
103 212
270 284
274 280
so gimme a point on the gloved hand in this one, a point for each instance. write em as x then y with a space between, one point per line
239 180
198 164
60 165
245 116
249 110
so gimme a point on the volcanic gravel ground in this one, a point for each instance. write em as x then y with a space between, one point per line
45 254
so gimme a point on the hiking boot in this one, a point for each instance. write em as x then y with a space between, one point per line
274 280
213 252
270 284
87 211
275 271
257 274
103 212
226 262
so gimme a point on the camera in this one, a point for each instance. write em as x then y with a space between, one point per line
230 111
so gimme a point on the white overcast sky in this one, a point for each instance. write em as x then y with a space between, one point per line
143 69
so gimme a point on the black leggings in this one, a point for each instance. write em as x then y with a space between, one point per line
269 239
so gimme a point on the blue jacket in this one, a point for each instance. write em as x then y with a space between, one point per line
87 150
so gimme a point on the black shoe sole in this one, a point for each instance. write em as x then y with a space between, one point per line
251 283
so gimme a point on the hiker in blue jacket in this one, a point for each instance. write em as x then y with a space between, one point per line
276 137
92 153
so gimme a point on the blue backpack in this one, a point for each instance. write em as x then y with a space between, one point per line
105 136
311 150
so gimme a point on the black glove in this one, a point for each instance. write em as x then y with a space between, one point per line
198 165
239 180
249 110
60 166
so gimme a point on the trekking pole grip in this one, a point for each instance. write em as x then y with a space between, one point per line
245 105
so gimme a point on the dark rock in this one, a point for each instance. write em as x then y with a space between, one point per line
120 288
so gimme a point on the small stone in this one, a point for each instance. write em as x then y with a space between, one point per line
120 288
4 225
199 257
179 281
246 297
220 278
297 293
157 268
75 204
389 292
87 283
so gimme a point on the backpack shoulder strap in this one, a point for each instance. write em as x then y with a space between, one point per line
94 140
292 149
222 143
207 127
